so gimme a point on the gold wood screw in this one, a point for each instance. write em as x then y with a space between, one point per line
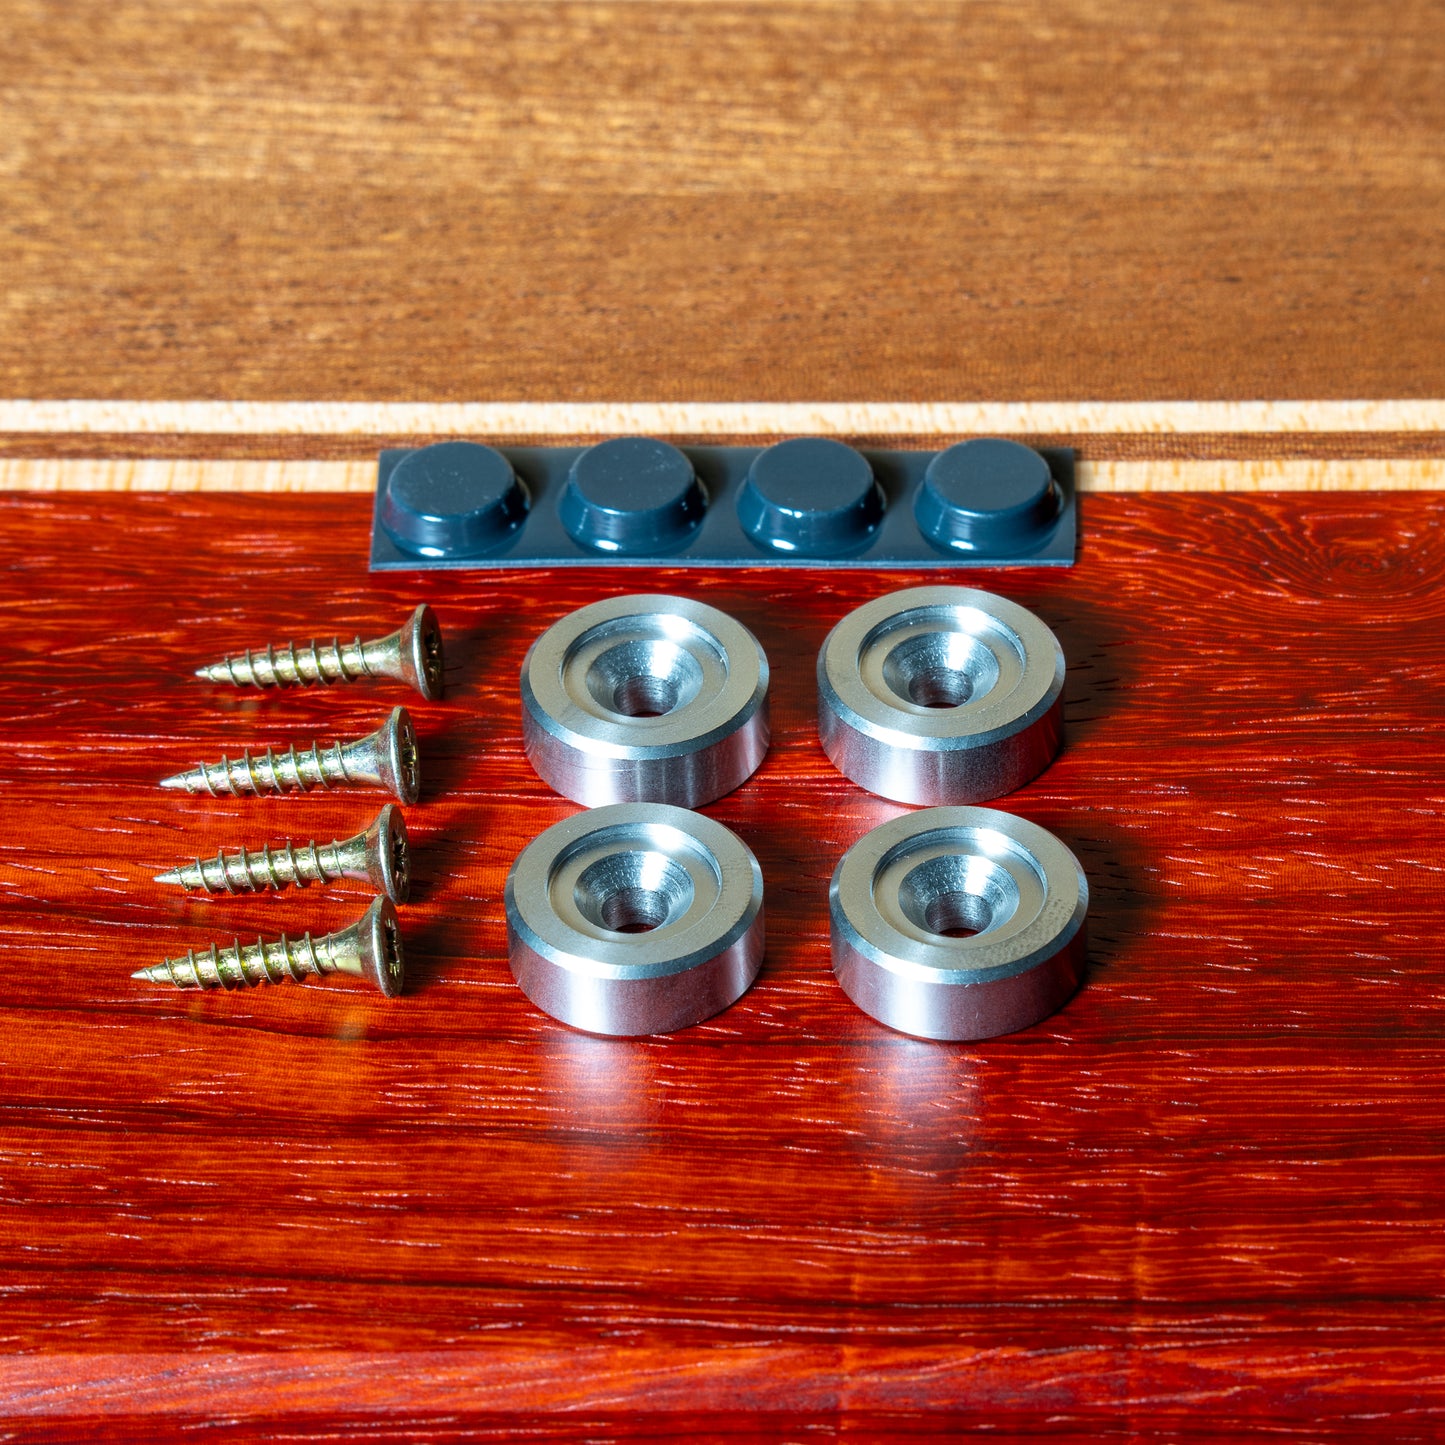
386 759
411 654
369 949
378 856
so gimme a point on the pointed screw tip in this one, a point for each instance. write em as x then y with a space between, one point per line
176 780
144 974
169 876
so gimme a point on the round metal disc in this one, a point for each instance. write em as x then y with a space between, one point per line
940 695
645 699
958 923
638 918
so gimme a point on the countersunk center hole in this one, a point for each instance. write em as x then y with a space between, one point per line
940 669
644 677
940 687
644 696
956 895
633 892
958 915
634 910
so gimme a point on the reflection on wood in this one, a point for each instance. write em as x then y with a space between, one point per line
1209 1188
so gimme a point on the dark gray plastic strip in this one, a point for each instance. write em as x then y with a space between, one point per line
807 502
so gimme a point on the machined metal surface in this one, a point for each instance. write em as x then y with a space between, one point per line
940 695
370 949
637 918
645 699
412 654
378 856
959 923
386 758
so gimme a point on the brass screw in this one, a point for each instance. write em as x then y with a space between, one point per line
369 949
386 759
378 856
411 654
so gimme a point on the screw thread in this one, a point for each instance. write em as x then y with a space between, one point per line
250 872
290 666
313 767
385 758
245 965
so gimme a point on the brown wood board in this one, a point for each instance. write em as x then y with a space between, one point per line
732 201
1205 1199
1089 446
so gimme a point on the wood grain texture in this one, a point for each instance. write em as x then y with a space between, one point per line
1389 420
1123 446
1359 444
243 474
1205 1200
385 199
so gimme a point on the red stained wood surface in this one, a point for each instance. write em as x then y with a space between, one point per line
1204 1199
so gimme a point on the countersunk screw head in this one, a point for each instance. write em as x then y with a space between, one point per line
380 948
419 646
388 861
397 764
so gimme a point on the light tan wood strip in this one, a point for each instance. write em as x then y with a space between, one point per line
178 475
1274 475
48 474
859 418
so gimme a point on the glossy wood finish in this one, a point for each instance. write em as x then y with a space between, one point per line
1362 445
736 201
1205 1199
